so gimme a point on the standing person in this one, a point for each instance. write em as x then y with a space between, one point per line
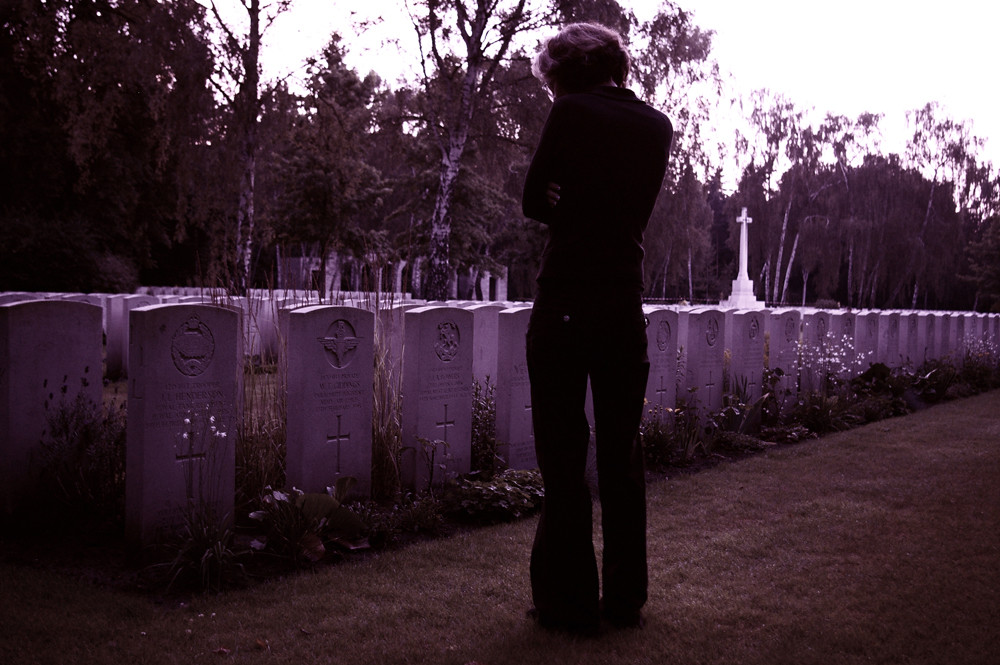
593 181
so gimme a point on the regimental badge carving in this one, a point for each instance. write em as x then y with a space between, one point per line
789 329
821 327
447 342
340 343
712 331
872 326
913 324
192 347
663 333
848 326
754 327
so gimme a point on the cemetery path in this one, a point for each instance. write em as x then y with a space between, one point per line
877 545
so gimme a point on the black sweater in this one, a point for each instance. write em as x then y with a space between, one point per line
607 150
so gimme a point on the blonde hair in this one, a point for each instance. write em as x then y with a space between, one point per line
581 56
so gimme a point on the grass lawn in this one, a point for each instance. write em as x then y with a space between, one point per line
878 545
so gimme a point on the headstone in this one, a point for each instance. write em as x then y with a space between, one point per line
746 352
119 307
888 339
704 359
50 352
437 394
866 341
515 434
185 383
16 296
485 318
814 354
661 347
330 376
958 324
783 330
843 327
911 338
932 332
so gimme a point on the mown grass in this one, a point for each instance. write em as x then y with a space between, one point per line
876 545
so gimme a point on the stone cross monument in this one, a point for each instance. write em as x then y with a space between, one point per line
742 296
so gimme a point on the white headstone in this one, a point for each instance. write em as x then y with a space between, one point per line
50 352
783 327
866 337
704 358
330 376
814 354
437 394
746 351
485 318
661 348
515 433
184 401
119 307
888 339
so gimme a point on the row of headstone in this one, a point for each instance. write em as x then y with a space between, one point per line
186 362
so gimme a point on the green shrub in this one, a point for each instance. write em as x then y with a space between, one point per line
299 525
505 497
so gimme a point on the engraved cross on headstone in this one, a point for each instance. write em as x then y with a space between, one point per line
338 439
661 391
445 424
710 384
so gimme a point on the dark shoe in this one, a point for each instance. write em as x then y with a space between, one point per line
623 618
577 627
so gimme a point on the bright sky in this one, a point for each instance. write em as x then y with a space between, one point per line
848 57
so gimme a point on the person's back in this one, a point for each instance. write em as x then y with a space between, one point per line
608 152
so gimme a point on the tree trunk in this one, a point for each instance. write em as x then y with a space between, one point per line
690 276
781 248
248 101
665 268
850 274
805 284
788 268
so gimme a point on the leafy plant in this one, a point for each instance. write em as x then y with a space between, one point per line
299 525
484 429
505 497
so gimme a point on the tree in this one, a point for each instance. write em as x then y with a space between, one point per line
108 105
324 179
240 68
462 44
984 265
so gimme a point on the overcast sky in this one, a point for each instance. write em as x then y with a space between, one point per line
848 57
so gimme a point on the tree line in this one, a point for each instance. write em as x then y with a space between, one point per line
140 145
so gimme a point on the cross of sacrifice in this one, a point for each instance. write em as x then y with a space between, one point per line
744 222
338 439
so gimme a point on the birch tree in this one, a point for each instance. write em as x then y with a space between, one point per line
239 68
461 43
